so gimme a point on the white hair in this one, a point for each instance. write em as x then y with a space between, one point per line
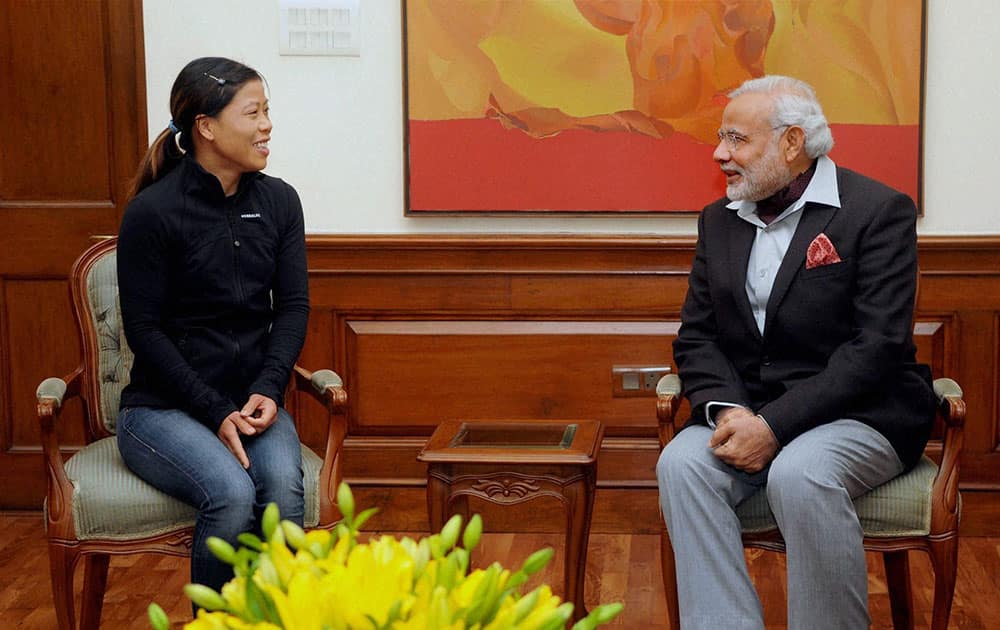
795 104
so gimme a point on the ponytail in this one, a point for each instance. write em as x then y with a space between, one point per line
160 159
203 88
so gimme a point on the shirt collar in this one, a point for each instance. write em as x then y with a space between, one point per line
822 189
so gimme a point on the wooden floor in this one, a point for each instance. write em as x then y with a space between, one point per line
620 568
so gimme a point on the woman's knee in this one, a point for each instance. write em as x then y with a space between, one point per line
232 493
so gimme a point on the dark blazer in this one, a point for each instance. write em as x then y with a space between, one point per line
838 339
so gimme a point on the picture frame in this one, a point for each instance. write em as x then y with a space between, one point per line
581 107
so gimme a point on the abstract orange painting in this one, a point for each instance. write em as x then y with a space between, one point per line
612 106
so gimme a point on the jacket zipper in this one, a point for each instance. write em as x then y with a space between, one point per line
233 238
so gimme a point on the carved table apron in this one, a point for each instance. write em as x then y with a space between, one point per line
506 462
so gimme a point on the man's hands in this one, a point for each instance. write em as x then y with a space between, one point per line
257 415
743 440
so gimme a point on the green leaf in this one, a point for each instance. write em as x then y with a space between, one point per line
261 606
363 517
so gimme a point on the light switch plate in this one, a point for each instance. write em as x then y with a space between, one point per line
319 27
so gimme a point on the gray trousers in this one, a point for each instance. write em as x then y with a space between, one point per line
809 485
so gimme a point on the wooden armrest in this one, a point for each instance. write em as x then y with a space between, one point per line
668 400
50 394
325 386
951 405
951 409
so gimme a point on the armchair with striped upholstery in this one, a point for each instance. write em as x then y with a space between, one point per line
95 507
918 510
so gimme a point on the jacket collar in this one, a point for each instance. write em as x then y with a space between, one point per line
201 183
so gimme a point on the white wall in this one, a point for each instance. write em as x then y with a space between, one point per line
339 120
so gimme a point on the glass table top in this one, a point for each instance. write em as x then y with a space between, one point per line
514 436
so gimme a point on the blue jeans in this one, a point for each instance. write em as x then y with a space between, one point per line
182 457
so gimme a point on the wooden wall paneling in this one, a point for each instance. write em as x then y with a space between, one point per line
72 131
46 120
977 349
452 369
425 327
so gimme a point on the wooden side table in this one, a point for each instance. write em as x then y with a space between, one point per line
506 462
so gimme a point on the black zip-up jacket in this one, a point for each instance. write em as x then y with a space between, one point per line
214 291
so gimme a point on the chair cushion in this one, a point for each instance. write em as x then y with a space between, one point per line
112 503
114 358
899 507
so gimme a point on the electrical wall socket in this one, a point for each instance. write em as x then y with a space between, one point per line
636 380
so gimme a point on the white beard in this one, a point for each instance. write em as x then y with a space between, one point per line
760 179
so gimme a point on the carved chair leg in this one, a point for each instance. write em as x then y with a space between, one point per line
944 558
95 581
897 577
669 572
62 561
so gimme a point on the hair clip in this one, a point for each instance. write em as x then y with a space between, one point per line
215 78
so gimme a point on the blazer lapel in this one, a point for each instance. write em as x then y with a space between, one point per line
814 220
741 238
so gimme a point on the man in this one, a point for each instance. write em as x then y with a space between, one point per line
796 354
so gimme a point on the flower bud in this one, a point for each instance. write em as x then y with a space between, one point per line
251 540
221 549
204 597
295 535
267 571
345 501
462 557
538 560
525 605
473 532
157 618
556 620
605 613
449 533
269 521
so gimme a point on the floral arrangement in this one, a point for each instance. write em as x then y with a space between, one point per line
323 580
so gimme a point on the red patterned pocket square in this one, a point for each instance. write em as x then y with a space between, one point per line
821 252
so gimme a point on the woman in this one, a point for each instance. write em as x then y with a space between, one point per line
214 298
